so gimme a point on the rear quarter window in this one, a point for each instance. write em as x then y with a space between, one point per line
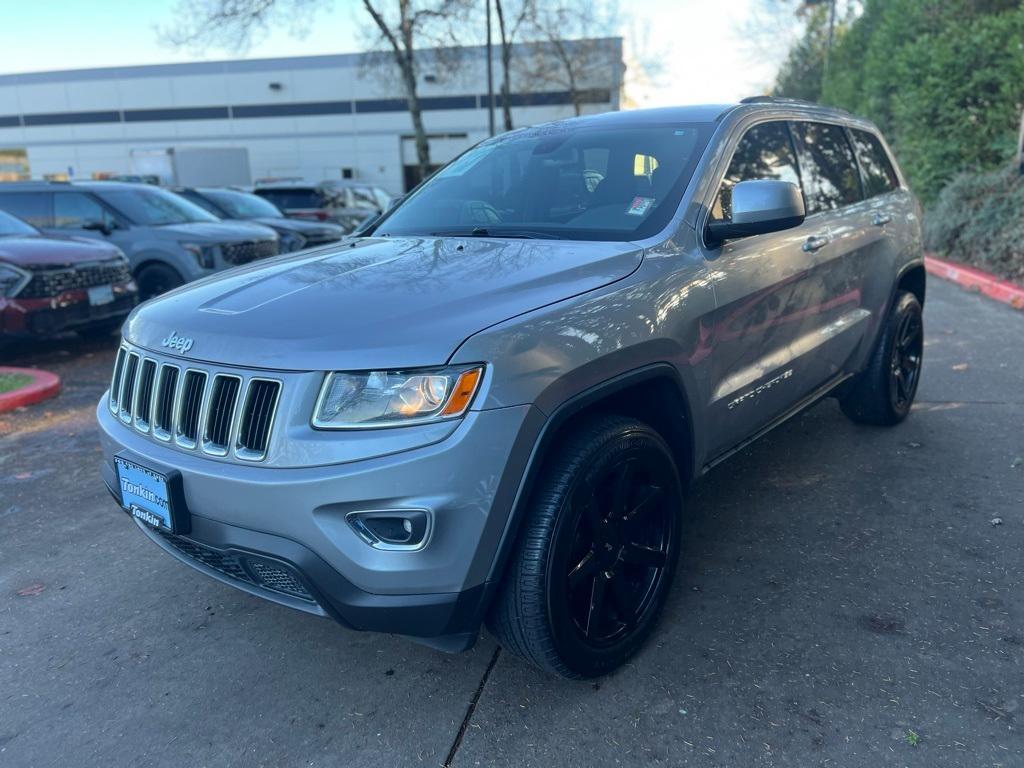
33 207
876 169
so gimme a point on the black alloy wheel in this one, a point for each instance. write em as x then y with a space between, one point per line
883 393
907 348
595 557
619 553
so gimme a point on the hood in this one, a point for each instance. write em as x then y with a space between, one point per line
318 228
219 231
373 303
35 251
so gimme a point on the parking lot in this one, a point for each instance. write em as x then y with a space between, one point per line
848 596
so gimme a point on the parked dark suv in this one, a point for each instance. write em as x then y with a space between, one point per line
294 234
168 240
487 407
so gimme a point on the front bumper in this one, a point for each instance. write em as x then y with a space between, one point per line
281 533
70 311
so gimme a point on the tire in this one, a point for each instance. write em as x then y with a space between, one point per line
569 558
154 279
884 392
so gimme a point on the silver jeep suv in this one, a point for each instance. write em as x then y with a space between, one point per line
486 408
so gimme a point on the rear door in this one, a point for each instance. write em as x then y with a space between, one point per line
840 316
888 221
767 292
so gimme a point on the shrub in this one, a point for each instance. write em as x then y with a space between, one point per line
978 219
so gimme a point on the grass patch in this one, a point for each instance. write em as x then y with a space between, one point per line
12 381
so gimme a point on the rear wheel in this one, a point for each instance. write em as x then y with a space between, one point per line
154 279
884 393
595 559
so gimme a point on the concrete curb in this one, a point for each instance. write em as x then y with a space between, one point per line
976 280
44 385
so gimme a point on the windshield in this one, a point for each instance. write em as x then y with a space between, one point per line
558 181
11 226
149 206
240 205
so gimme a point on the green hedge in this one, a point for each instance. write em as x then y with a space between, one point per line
943 79
979 219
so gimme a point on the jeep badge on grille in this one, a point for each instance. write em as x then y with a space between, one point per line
181 343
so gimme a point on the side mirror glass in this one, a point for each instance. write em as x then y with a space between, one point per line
759 207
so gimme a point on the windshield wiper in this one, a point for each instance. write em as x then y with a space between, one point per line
521 234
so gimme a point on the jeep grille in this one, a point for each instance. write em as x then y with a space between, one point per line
217 413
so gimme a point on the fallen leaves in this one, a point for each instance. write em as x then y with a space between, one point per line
31 590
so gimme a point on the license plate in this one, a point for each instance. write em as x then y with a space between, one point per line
100 295
144 494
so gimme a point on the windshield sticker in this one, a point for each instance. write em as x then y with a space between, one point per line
639 206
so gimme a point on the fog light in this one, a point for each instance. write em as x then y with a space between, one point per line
398 529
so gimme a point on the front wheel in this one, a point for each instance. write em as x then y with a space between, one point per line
884 393
594 561
154 279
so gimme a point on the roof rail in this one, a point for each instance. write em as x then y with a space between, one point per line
765 99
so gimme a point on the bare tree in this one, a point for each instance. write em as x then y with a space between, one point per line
511 20
401 25
569 46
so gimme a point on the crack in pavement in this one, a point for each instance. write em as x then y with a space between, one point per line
470 710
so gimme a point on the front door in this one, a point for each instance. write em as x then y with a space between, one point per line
775 301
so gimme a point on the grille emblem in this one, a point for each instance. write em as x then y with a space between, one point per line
181 343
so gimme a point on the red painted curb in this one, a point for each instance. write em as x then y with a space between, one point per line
44 385
975 280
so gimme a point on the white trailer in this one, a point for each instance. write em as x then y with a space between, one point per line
194 166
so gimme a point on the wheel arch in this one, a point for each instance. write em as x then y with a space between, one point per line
655 394
912 278
155 258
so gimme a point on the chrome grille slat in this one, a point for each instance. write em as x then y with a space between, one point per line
115 382
189 413
166 395
221 413
127 398
219 422
259 406
144 395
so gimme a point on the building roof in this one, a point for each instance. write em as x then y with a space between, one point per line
235 66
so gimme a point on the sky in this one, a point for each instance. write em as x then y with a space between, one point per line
701 45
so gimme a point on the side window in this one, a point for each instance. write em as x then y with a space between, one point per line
202 202
33 207
72 210
827 167
764 152
876 170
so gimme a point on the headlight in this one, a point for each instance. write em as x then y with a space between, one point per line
12 280
205 254
395 398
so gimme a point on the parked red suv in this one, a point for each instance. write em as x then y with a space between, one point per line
48 285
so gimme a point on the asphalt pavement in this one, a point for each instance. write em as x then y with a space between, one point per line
847 596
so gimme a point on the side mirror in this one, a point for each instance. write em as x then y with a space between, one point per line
758 207
98 226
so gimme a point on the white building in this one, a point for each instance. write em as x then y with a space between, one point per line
316 117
